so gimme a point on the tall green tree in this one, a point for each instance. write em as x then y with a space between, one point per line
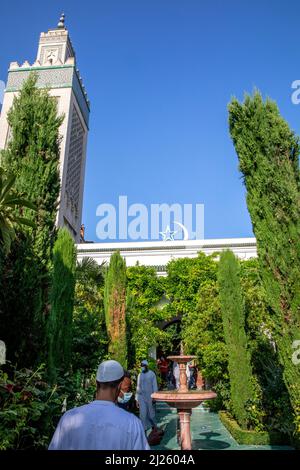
59 327
32 155
115 308
268 153
233 316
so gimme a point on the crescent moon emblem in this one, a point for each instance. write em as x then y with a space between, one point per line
184 229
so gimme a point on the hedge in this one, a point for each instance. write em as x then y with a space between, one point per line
251 437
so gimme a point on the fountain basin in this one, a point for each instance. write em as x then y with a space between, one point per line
182 359
183 400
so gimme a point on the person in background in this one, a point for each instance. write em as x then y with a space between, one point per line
192 379
146 385
170 377
101 425
176 374
125 398
163 366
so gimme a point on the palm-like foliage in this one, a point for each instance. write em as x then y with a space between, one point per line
89 270
10 203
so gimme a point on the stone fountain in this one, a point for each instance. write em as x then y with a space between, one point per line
183 399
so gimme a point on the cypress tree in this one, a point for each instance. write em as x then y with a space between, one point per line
59 326
32 156
115 308
233 317
268 153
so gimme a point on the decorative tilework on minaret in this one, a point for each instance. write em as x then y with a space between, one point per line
55 66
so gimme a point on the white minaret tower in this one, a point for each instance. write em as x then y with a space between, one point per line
56 68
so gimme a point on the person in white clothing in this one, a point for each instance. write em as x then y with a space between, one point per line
188 373
146 385
101 425
176 373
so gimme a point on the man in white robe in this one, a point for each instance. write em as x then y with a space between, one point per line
146 385
176 373
101 425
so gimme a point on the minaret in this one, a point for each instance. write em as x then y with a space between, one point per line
56 68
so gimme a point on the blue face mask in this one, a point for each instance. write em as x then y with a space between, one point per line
126 398
143 369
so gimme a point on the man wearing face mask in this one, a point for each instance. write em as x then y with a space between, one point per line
101 425
126 398
146 385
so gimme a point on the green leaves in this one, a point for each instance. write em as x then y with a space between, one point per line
233 316
31 408
29 193
143 315
115 308
10 204
59 324
268 153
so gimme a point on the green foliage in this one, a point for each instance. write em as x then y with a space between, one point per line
203 333
144 315
89 337
24 414
274 399
30 409
192 286
233 315
185 276
21 301
10 201
115 308
59 327
268 153
171 342
253 438
32 156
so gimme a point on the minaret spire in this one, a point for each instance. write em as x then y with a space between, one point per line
61 23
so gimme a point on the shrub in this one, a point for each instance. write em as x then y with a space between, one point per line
30 409
59 326
115 308
254 438
233 314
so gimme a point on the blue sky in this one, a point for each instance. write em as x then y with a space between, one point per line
159 75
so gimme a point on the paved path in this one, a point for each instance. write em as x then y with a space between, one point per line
208 432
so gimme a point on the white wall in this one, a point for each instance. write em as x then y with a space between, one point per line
160 253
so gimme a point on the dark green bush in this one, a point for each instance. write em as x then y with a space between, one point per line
30 409
233 315
254 438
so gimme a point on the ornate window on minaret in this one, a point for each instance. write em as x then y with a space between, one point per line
75 162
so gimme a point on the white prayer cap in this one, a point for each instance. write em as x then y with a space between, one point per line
144 362
109 371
